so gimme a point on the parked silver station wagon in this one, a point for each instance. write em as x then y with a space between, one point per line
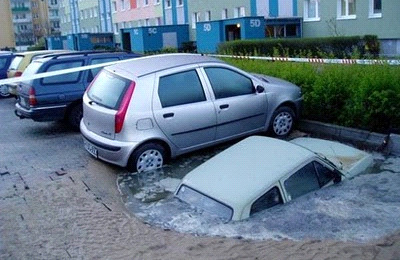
141 112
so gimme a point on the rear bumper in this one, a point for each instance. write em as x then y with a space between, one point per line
112 151
41 114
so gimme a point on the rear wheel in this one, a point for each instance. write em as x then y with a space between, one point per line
75 116
147 157
282 122
4 91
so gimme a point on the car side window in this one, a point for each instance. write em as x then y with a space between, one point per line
93 72
228 83
269 199
302 181
325 175
180 88
65 78
3 62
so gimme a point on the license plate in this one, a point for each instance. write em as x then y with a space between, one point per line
90 148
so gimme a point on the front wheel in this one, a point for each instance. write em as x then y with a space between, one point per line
4 91
147 157
282 121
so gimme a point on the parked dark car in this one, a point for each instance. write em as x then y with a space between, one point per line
5 60
60 97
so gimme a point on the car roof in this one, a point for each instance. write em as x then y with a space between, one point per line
146 65
241 173
77 54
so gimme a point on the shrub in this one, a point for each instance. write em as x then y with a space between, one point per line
360 96
329 47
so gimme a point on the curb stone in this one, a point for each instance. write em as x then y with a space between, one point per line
389 144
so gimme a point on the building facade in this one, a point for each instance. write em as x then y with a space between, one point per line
33 20
354 17
22 23
7 39
135 13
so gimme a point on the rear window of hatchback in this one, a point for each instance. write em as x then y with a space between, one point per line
108 89
16 61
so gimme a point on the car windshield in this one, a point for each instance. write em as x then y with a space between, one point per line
204 202
108 89
16 61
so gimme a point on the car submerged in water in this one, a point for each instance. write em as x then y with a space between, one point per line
261 172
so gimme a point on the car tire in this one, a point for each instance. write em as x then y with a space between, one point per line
282 122
147 157
75 116
4 91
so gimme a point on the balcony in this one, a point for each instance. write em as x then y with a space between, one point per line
20 9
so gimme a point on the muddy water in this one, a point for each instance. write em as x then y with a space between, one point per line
360 209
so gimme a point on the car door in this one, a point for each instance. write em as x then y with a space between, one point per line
183 109
240 110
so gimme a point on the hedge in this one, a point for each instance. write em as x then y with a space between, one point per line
359 96
329 47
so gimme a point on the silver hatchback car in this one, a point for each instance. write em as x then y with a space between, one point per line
141 112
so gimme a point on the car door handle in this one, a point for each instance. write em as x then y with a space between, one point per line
224 106
168 115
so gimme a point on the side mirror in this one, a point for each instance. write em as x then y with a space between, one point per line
260 89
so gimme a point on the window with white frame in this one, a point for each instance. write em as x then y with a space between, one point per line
180 2
242 11
156 2
207 16
311 10
145 2
168 4
116 29
375 8
95 12
114 6
224 13
195 19
122 5
346 9
239 12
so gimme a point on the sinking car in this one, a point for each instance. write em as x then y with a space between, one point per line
260 172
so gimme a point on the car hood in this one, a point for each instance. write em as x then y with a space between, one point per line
274 81
349 160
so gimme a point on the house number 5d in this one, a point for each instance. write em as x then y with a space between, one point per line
255 23
207 27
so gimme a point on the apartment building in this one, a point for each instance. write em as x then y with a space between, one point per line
7 38
135 13
354 17
34 19
215 22
22 23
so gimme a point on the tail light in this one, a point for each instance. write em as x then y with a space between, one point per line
18 73
32 97
123 108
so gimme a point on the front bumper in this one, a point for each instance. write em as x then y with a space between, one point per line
112 151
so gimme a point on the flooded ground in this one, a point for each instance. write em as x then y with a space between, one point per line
360 209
